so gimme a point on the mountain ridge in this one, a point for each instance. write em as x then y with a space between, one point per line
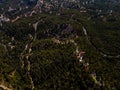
14 8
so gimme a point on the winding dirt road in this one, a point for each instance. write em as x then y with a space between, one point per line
35 25
103 54
4 87
26 54
28 62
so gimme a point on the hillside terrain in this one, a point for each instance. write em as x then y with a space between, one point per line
14 9
59 45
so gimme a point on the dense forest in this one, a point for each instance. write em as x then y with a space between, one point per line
38 52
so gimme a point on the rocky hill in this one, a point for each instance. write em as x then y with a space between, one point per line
24 8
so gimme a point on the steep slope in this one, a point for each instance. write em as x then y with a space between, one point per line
39 52
24 8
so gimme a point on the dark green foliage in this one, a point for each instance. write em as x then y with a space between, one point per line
54 65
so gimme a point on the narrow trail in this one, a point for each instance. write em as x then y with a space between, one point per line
35 28
79 56
26 54
22 56
101 53
5 47
28 73
28 48
29 51
4 87
85 65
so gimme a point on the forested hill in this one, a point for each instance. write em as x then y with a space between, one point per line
24 8
68 51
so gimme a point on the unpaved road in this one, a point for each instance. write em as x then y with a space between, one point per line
26 51
4 87
103 54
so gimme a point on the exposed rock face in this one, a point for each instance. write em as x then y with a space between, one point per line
30 7
38 4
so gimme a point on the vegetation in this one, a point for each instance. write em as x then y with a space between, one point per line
53 62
